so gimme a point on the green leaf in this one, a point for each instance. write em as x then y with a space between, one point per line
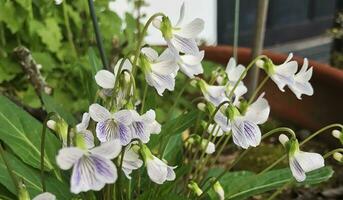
46 60
31 178
8 69
53 106
26 4
51 34
241 185
173 148
12 15
22 133
89 79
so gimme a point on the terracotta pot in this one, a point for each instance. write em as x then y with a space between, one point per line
312 112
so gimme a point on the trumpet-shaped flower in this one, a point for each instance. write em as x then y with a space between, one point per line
143 126
180 38
301 83
112 125
93 168
189 64
245 130
282 74
45 196
158 170
159 71
300 162
131 161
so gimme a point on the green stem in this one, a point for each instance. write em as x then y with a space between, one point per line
69 33
236 29
227 139
42 149
332 152
256 92
9 169
144 97
170 112
141 38
119 182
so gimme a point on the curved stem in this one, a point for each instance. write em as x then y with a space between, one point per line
332 152
42 149
253 96
97 34
140 39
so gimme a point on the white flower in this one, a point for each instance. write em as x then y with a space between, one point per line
160 71
131 161
219 190
58 2
180 38
213 93
45 196
93 168
159 171
143 126
189 64
301 83
245 130
111 125
234 72
283 74
210 147
106 79
81 128
300 162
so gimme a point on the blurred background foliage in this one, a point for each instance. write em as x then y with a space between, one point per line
60 38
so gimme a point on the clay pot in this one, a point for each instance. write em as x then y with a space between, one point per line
312 112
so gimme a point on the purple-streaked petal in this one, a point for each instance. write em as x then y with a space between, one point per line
150 53
297 172
185 45
124 134
192 29
89 138
105 170
106 130
123 116
170 173
222 121
245 134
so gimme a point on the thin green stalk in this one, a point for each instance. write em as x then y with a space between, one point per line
330 153
256 92
141 38
42 150
281 129
227 139
176 101
9 169
119 181
144 97
69 33
301 144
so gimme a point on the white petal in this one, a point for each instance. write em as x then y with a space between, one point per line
168 54
99 113
182 14
217 132
191 70
105 79
89 138
45 196
109 150
84 123
170 173
164 67
194 59
309 161
123 116
68 156
150 53
211 148
246 134
258 112
184 45
234 72
131 162
215 94
192 29
157 23
297 172
160 82
157 170
299 88
222 121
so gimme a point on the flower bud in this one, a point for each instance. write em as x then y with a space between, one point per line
201 106
166 28
195 188
283 139
338 156
23 193
51 124
260 63
219 190
208 146
194 83
338 134
220 80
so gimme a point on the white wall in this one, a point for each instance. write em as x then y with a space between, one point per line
204 9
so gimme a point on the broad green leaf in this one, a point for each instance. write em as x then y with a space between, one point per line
173 148
53 106
46 60
89 78
12 15
22 133
241 185
8 69
51 34
26 4
31 178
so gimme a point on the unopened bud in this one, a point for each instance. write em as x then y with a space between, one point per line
219 190
23 193
338 156
283 139
51 124
259 63
210 147
201 106
195 188
220 80
193 83
127 77
336 133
